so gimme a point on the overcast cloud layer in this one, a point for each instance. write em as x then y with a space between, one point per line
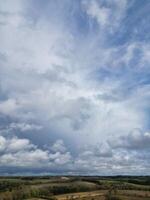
75 87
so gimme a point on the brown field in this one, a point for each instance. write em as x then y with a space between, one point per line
82 195
95 195
77 188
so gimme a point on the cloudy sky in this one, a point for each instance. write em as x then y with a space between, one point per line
75 87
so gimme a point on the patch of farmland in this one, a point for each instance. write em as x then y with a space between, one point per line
81 195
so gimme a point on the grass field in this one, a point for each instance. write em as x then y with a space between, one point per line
75 187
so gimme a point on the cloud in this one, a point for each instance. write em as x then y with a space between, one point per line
21 152
8 107
71 78
136 140
107 14
16 152
59 146
101 14
24 127
14 144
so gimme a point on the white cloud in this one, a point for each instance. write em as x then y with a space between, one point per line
59 146
108 14
21 152
14 144
57 89
24 127
101 14
103 159
81 89
8 107
2 143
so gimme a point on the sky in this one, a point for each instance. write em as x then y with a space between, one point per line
74 87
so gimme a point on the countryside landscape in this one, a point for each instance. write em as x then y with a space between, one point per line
75 187
74 99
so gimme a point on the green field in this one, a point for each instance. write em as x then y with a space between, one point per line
75 187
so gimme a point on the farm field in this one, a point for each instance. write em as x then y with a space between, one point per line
75 187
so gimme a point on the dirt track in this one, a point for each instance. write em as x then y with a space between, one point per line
80 195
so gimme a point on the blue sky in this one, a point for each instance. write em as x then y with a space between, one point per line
74 87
